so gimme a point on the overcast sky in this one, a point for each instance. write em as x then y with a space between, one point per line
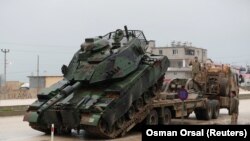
54 29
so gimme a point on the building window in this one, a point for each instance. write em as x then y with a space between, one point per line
160 52
179 63
189 52
203 53
171 63
198 52
175 51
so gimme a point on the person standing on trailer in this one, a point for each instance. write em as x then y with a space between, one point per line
196 67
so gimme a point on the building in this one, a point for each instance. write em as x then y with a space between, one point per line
179 55
43 81
1 80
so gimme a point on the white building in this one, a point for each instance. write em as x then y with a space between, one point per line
179 55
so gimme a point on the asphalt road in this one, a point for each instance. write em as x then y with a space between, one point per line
14 129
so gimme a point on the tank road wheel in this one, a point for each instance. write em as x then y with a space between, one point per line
138 104
111 130
103 126
131 112
152 118
166 118
216 109
146 97
154 90
120 122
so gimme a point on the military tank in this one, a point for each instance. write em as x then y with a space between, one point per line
106 89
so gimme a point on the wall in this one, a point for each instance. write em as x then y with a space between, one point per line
34 81
52 80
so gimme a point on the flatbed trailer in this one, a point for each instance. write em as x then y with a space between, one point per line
168 105
162 111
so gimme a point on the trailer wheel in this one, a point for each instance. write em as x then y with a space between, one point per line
187 116
152 118
166 117
224 87
208 112
229 111
198 113
216 109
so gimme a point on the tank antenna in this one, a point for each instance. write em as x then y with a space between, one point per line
126 32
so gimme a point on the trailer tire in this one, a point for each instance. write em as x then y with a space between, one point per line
166 117
198 113
224 87
152 118
187 116
208 112
216 109
229 111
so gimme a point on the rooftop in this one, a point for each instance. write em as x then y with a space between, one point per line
178 47
47 76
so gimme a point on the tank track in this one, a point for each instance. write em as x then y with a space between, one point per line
96 130
138 117
40 128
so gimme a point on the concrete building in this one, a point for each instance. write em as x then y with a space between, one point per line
43 81
180 55
1 80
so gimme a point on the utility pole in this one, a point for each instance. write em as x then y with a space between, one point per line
5 51
37 74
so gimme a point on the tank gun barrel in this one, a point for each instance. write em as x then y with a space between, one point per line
63 93
69 89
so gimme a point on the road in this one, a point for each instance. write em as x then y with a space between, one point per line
14 129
